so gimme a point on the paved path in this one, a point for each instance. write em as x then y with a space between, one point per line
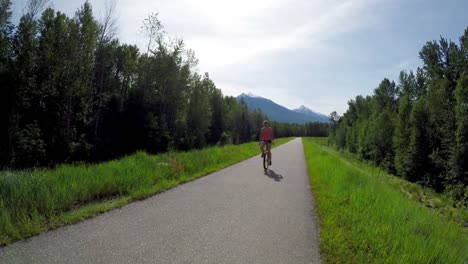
236 215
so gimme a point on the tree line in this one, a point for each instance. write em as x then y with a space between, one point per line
417 128
70 91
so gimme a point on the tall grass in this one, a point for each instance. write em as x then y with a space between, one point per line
365 219
34 201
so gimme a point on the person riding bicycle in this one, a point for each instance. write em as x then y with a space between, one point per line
266 138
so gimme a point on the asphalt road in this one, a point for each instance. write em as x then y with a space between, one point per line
236 215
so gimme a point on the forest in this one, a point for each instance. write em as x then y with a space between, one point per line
416 128
71 92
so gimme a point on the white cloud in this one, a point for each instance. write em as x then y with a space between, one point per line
235 40
229 32
240 46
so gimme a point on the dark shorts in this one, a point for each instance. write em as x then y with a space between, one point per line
267 143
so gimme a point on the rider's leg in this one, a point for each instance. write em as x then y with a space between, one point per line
262 148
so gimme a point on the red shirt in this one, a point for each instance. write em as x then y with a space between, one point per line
266 134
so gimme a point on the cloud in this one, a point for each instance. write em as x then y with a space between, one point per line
230 45
287 64
287 49
224 33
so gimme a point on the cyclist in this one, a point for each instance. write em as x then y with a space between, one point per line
266 138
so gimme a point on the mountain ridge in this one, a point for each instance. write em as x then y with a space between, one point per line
279 113
309 112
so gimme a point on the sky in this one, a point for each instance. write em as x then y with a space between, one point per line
317 53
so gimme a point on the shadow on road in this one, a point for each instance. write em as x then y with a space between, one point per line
272 174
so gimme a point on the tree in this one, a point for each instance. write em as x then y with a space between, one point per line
403 126
464 51
153 29
108 27
34 7
218 112
6 29
72 92
442 65
458 177
199 111
426 117
106 75
420 144
6 84
24 96
402 136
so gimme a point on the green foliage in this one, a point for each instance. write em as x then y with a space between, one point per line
5 81
417 128
313 129
71 92
419 143
30 146
367 217
5 30
199 111
402 137
458 176
32 201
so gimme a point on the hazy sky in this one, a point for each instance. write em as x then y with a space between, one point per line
317 53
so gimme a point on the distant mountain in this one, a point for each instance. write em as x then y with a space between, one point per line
306 111
278 113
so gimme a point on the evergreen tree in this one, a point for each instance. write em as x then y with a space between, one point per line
24 96
458 177
199 111
420 144
402 136
218 113
403 126
425 115
6 90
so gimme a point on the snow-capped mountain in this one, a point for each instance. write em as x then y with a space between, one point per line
276 112
319 116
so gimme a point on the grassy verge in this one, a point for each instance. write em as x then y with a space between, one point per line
365 216
35 201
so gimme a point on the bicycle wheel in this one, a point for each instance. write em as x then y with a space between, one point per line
265 162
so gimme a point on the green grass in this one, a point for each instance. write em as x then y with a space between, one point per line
367 216
35 201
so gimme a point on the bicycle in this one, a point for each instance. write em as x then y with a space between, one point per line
266 160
